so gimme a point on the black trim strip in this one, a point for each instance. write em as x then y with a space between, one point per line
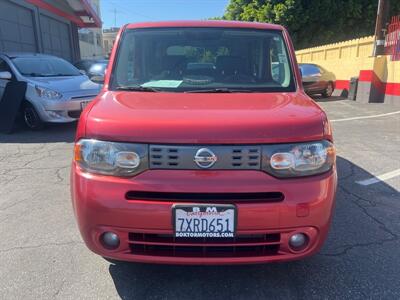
204 197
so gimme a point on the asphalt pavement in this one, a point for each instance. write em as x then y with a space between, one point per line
42 255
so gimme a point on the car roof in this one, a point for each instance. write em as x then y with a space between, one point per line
25 54
213 23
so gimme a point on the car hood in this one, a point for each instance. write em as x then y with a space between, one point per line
205 118
66 84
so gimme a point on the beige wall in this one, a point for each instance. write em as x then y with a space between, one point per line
379 77
347 59
344 59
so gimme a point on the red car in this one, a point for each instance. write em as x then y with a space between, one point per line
203 148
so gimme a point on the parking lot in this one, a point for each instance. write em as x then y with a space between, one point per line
42 254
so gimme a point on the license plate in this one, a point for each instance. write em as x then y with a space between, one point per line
84 104
204 220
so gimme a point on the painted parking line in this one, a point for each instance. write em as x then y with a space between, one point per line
367 117
379 178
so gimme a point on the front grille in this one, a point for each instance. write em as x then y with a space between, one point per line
182 157
205 197
246 157
163 157
240 246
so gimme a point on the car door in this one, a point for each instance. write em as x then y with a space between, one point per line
3 82
311 77
326 77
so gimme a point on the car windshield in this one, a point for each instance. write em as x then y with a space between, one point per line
44 67
203 59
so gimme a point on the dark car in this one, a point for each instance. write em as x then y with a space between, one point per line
317 80
94 68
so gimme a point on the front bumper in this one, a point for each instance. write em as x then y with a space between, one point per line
263 228
62 111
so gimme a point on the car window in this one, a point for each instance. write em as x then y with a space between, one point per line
86 64
4 67
188 59
322 70
44 67
279 62
309 70
79 65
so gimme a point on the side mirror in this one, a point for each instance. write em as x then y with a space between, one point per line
5 75
97 78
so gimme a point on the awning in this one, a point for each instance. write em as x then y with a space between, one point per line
81 12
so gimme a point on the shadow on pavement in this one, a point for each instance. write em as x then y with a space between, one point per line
52 133
336 272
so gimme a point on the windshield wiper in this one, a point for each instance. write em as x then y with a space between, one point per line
33 74
46 75
137 88
60 74
219 90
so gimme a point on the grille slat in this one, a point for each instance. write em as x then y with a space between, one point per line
206 244
240 246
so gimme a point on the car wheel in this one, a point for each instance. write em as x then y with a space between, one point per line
329 90
31 117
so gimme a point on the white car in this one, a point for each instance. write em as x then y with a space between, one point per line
56 91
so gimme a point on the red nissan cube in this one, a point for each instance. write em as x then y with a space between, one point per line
203 148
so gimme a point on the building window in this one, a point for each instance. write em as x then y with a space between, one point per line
98 39
86 36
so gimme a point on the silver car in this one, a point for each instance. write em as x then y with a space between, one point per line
56 91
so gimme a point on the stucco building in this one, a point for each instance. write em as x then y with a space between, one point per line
109 36
91 39
45 26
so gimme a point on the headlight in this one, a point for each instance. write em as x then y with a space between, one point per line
109 158
47 93
295 160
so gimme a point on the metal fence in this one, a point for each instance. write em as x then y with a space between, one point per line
392 41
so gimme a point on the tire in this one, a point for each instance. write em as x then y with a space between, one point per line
328 91
30 117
